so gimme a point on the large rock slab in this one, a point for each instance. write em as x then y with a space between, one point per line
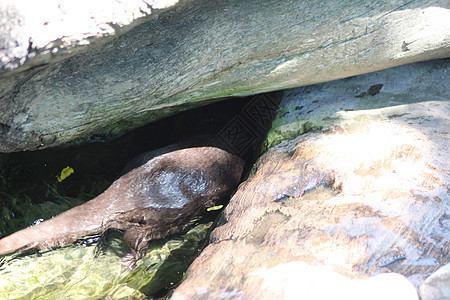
437 286
329 212
39 33
212 49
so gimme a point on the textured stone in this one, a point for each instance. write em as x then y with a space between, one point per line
363 193
208 49
437 286
35 33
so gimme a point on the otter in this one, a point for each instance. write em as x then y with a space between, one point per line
151 201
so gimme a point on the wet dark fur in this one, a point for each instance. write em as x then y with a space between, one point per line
149 202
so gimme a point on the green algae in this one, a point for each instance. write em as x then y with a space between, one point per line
341 103
287 131
79 272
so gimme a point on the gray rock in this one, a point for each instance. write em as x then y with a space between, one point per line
437 286
39 33
202 50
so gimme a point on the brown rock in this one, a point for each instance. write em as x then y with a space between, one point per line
367 196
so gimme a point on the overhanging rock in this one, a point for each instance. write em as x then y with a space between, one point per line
35 33
212 49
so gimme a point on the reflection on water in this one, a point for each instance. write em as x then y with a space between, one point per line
75 272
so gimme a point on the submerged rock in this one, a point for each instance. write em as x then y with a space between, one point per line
76 272
360 194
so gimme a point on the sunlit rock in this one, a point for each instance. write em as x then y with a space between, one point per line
36 33
359 191
437 286
191 53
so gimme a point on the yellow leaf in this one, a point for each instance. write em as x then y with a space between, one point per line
214 208
65 173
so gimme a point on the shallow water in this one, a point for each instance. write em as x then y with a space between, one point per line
75 272
31 192
29 187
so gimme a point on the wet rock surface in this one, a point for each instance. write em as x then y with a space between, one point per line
365 195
